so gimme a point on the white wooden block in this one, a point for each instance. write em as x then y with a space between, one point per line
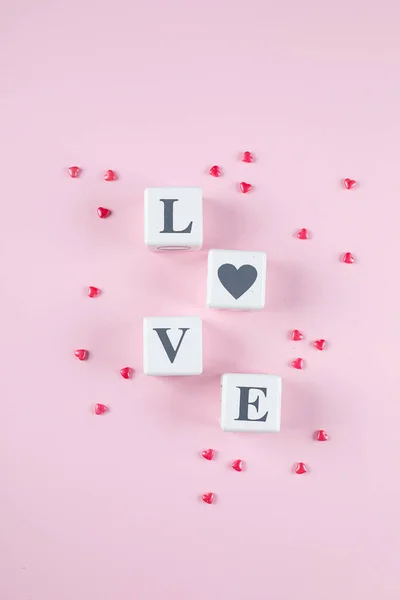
236 279
251 402
172 346
173 218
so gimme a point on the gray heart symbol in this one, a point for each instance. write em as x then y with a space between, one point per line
237 281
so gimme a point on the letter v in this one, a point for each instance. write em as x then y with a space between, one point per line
166 342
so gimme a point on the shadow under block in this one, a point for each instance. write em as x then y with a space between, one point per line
173 218
236 279
172 346
251 402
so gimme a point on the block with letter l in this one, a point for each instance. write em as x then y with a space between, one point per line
173 218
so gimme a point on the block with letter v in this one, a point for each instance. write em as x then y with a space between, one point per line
172 346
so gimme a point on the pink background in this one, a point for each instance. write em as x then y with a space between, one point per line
106 508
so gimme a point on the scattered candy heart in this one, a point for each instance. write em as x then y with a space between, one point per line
247 157
103 212
208 498
110 175
321 436
300 468
297 363
81 354
302 234
74 172
126 372
319 344
348 258
100 409
208 454
215 171
93 291
237 465
349 183
245 187
296 335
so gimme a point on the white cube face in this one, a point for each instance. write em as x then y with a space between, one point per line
173 218
172 346
251 402
236 279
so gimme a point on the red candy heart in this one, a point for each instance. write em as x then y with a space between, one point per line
103 212
74 172
348 258
300 468
297 363
296 335
247 157
100 409
81 354
319 344
321 436
126 372
349 183
302 234
93 291
245 187
215 171
208 454
237 465
208 498
110 175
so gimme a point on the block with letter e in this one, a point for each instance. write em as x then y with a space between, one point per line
251 403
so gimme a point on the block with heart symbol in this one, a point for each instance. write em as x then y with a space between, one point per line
251 403
173 218
172 346
236 279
